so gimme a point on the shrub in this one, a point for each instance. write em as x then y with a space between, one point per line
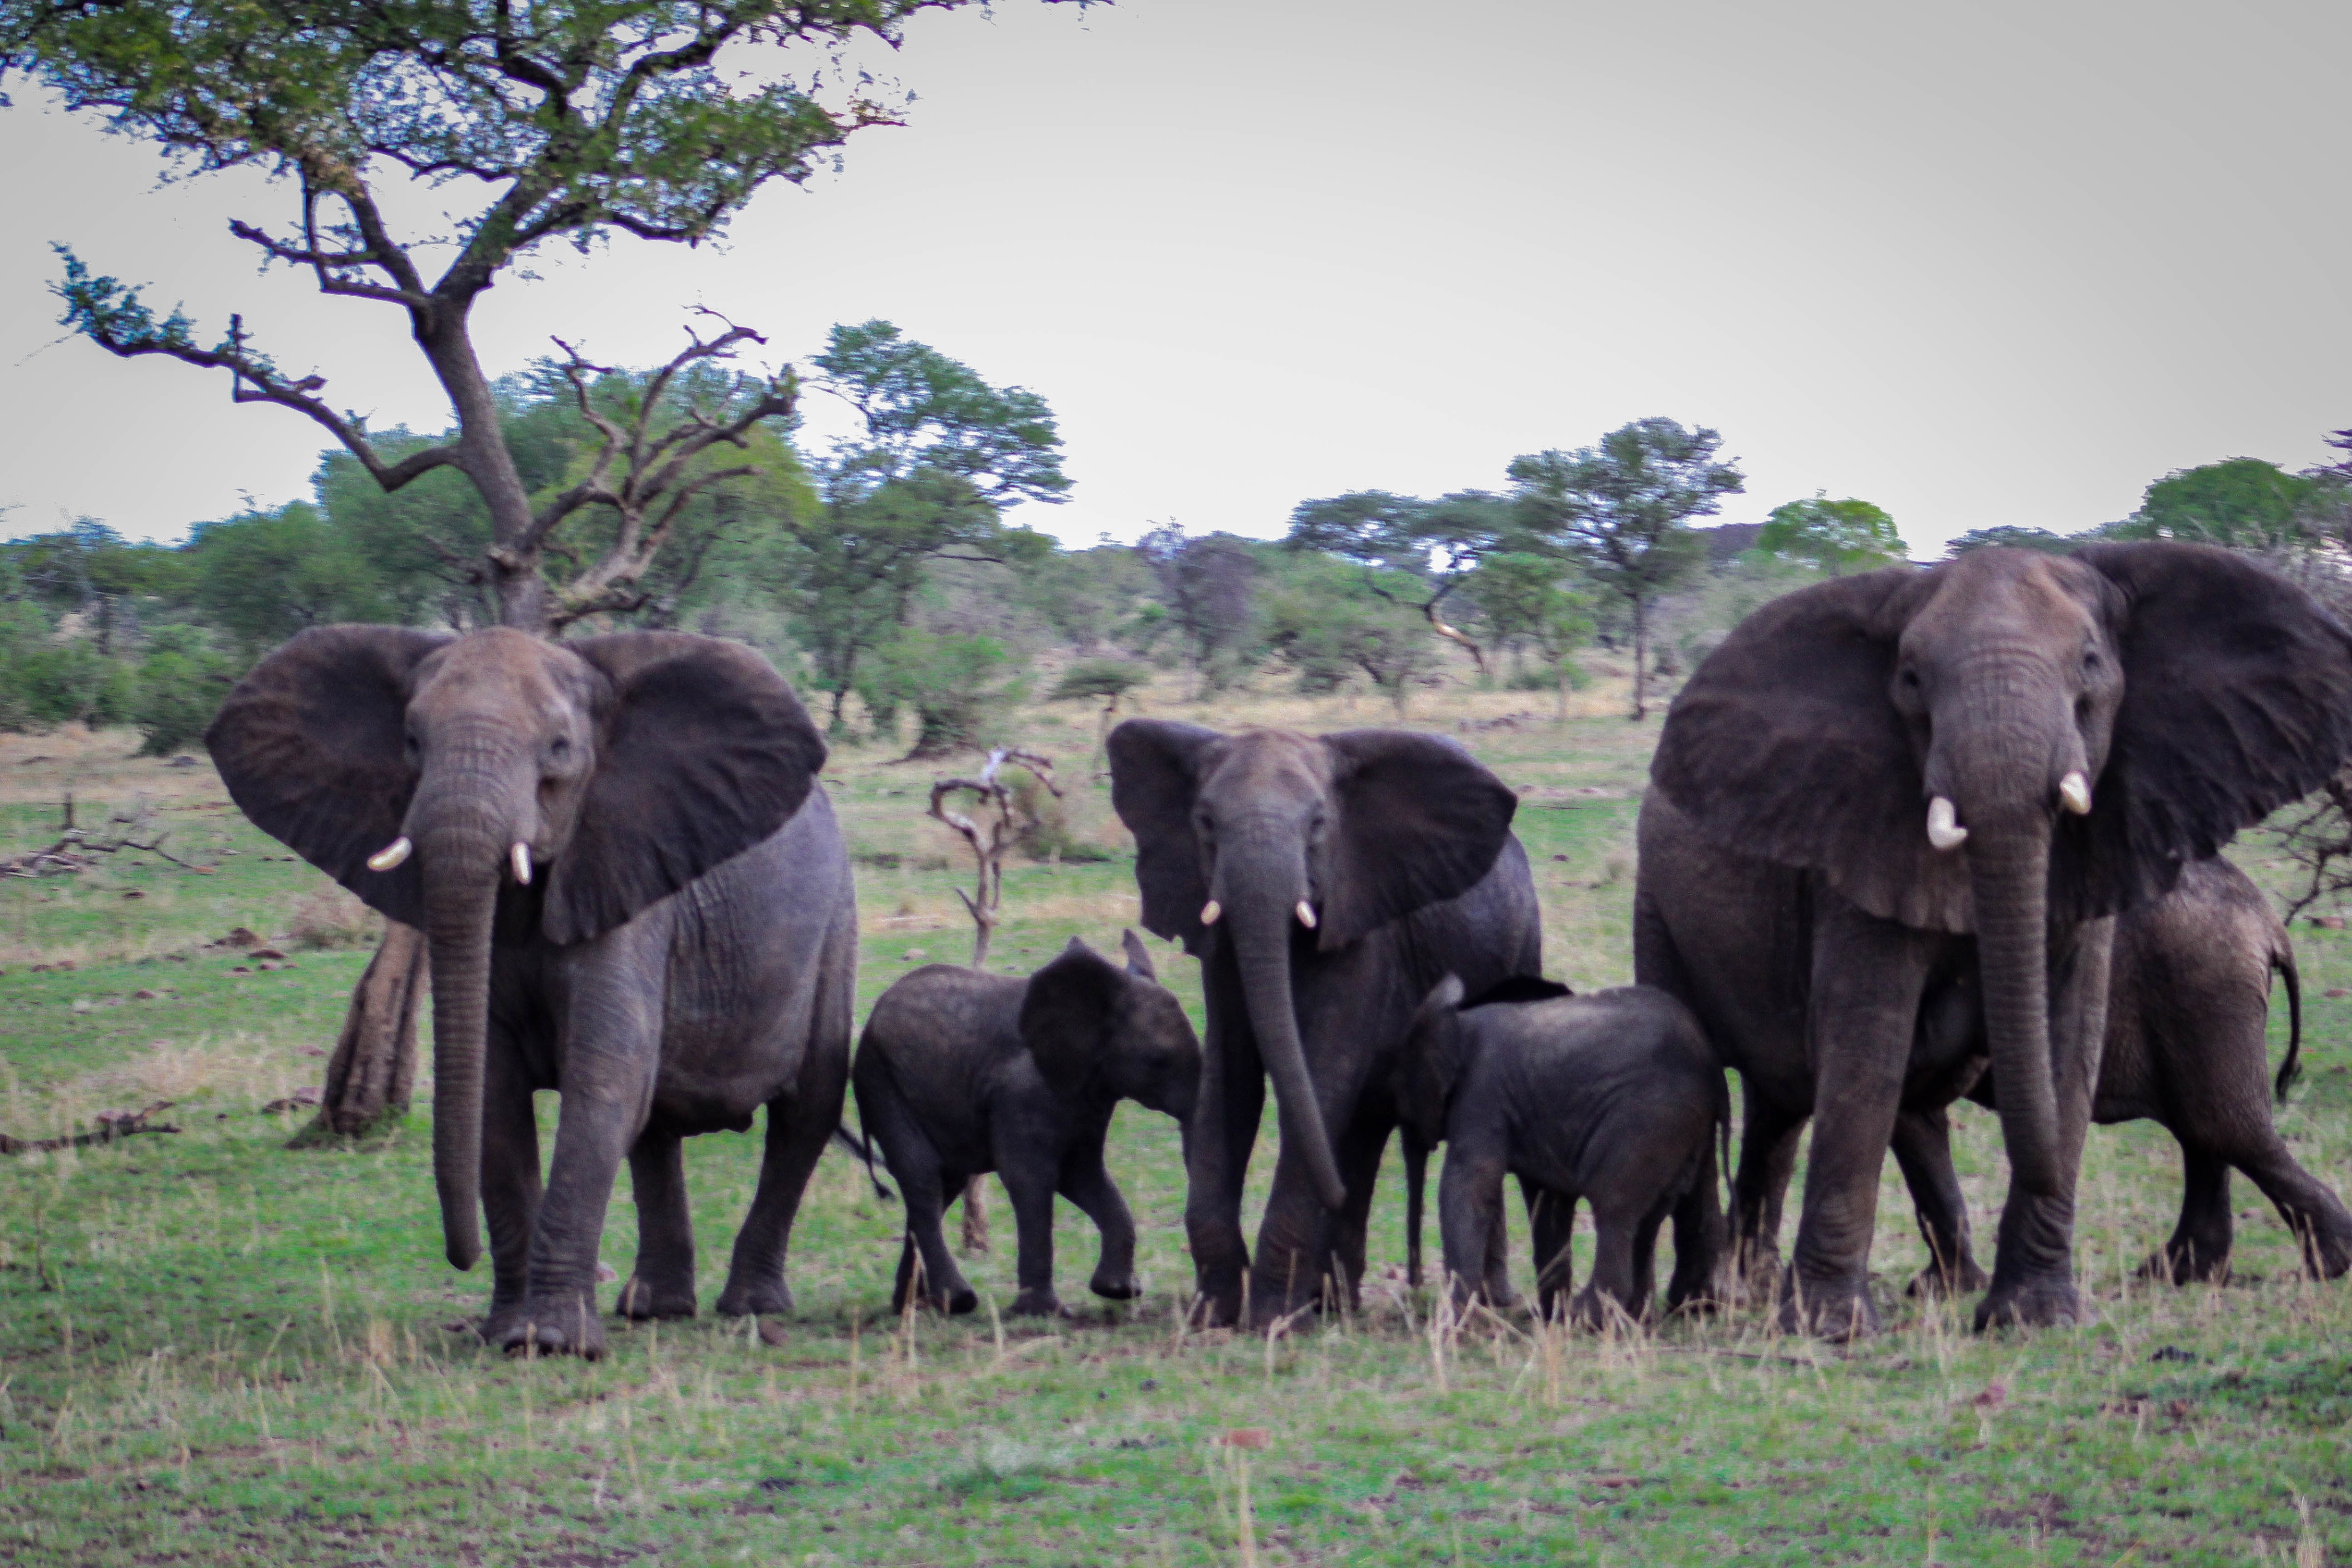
180 687
958 687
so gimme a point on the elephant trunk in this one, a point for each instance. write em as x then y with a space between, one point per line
462 856
1261 913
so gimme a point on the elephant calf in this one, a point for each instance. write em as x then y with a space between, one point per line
2188 1010
961 1072
1615 1099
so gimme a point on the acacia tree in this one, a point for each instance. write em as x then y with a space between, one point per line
1622 509
938 456
572 120
1435 545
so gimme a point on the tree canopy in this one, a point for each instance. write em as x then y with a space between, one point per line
1621 510
2242 501
1834 535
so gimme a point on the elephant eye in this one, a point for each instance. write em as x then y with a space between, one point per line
1910 680
559 748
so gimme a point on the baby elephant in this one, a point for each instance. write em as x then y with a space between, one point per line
1614 1098
961 1072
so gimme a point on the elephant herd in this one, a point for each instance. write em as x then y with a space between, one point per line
1912 835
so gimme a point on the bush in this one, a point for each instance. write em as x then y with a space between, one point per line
180 687
330 919
957 688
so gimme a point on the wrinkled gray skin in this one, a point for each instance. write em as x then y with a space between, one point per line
2186 1047
1400 847
1788 892
961 1072
683 954
1614 1099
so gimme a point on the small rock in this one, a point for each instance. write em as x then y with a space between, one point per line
1992 1396
182 761
66 965
2329 922
1246 1437
268 953
321 1051
240 969
913 954
2173 1352
2334 992
134 893
771 1331
143 995
1559 857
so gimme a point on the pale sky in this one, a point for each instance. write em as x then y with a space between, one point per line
1980 264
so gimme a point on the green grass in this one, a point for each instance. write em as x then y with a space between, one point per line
215 1351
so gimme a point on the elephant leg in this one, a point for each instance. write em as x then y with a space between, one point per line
1769 1135
1552 1222
2315 1215
926 1187
1416 1181
1923 1147
595 1127
1358 1155
1866 980
1615 1281
1469 1197
2198 1251
2033 1260
1699 1242
1231 1101
510 1185
661 1284
1088 1184
1032 1191
800 1123
1645 1261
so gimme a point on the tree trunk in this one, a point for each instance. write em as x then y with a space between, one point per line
374 1070
1641 656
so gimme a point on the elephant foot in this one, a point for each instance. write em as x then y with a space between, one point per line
2034 1304
1701 1299
748 1298
1935 1284
1210 1309
955 1300
1038 1303
1838 1310
641 1299
556 1325
2186 1263
1115 1287
1598 1310
2326 1244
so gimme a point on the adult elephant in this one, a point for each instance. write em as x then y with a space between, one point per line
631 895
1326 883
1882 782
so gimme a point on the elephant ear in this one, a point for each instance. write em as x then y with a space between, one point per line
702 752
1138 957
1065 1017
1786 744
1519 988
2237 700
1418 821
1155 768
311 744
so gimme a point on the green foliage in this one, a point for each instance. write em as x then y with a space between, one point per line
181 683
1529 601
266 576
2244 502
2009 536
1835 535
938 456
1621 511
1206 590
1325 621
1100 679
957 688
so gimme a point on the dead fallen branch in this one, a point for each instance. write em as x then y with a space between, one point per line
112 1125
76 847
990 839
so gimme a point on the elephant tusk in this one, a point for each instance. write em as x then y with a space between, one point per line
522 863
2075 793
391 855
1944 829
1306 914
1210 912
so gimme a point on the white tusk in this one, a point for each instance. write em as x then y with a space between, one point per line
391 855
1208 912
1944 829
1306 914
2075 793
522 862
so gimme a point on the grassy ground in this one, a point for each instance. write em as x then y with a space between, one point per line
215 1351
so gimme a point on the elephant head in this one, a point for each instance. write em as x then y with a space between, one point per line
494 780
2010 744
1282 844
1094 1029
1439 1047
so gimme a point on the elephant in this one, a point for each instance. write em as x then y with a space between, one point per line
2186 1017
1615 1099
633 894
1885 781
1325 883
960 1072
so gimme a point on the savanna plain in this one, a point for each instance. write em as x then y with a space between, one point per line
216 1350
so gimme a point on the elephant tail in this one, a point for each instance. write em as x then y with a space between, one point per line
862 1148
2283 959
